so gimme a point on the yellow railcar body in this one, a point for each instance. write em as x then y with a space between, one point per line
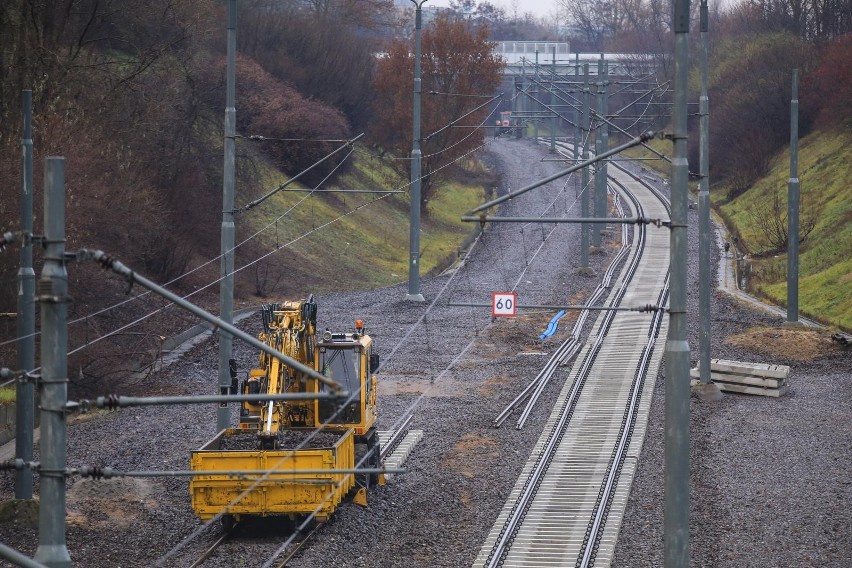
293 486
299 482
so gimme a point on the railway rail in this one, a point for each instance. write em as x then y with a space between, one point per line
229 532
282 556
566 506
296 546
396 444
572 345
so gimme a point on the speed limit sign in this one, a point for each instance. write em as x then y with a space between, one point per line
503 303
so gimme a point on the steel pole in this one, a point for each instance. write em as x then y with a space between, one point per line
53 297
534 106
793 208
519 95
704 208
677 347
599 157
604 204
25 322
132 277
226 286
578 112
522 102
584 144
548 220
600 180
553 103
17 558
118 401
414 294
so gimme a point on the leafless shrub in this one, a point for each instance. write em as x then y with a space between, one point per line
771 220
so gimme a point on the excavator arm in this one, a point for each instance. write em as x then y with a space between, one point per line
289 327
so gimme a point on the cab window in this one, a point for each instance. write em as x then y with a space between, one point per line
342 365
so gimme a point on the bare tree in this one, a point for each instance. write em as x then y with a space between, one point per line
366 14
771 220
809 19
325 49
458 61
622 25
751 90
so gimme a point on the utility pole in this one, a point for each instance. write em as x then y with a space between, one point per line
414 294
704 209
226 286
553 103
534 106
53 297
793 208
524 104
600 167
516 107
25 322
677 347
604 165
578 112
584 143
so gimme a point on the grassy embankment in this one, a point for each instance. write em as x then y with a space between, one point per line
336 241
825 258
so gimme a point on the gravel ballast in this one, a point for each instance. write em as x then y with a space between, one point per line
770 478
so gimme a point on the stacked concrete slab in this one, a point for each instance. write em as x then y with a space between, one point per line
749 378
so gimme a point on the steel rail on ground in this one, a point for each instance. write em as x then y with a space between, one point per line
572 345
530 531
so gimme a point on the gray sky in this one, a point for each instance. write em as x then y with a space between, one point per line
537 7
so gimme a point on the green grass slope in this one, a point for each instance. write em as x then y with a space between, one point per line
825 257
346 241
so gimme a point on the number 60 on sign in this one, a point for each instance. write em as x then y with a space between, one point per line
503 303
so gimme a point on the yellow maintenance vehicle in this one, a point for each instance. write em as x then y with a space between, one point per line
292 452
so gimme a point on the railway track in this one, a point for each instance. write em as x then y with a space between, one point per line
565 509
572 345
296 546
276 558
396 444
229 532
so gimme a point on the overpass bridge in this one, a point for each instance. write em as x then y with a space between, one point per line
521 58
543 81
